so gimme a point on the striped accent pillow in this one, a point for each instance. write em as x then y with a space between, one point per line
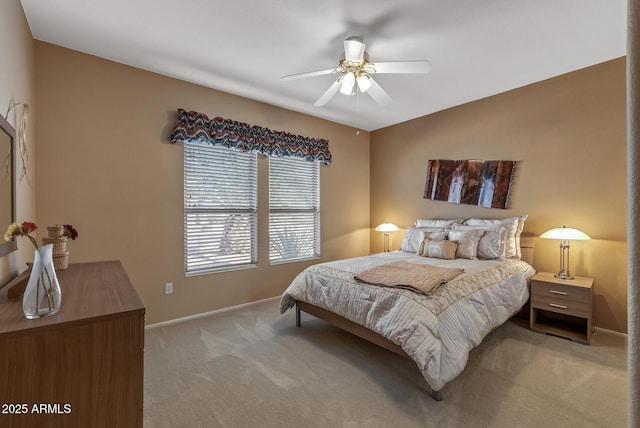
438 249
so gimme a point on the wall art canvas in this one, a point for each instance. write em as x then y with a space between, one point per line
472 182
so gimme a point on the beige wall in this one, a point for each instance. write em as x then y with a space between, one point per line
17 83
568 134
106 166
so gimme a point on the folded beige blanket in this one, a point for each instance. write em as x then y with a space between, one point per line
423 279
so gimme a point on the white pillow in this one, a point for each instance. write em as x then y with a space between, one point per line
521 220
467 242
511 250
492 243
414 236
440 235
422 222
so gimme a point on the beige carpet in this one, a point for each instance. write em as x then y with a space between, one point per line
253 368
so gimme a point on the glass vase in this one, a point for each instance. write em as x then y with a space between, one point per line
43 296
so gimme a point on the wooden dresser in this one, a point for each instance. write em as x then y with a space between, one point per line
82 367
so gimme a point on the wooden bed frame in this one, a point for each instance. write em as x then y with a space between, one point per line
526 247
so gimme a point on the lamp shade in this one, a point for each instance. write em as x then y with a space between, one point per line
565 233
387 227
347 83
364 82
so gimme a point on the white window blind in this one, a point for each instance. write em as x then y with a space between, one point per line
220 208
294 209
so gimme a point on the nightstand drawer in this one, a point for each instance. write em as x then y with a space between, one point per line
561 307
565 293
552 304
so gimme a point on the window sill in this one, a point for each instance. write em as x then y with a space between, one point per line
304 259
219 270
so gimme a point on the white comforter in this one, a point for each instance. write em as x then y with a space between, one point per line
437 331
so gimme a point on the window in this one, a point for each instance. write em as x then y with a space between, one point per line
294 209
220 208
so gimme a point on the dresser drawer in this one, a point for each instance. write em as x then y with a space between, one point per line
560 292
566 307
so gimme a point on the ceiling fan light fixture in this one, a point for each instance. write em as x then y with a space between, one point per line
355 67
364 82
348 81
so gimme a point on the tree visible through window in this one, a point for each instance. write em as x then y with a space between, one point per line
220 208
294 209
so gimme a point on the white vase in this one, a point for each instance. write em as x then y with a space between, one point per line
43 296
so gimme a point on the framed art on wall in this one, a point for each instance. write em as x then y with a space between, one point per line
471 182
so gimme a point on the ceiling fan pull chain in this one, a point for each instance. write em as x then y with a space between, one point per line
357 113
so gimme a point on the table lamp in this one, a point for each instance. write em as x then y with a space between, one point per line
564 234
386 228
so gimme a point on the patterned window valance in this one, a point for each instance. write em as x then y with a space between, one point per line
197 127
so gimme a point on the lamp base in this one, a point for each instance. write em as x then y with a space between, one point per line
564 261
563 274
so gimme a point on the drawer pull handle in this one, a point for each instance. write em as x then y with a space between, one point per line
558 292
557 306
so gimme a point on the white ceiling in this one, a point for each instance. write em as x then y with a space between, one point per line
477 48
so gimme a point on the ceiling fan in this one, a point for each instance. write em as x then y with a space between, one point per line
355 68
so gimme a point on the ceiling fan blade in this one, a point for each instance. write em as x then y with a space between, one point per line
378 94
329 93
354 49
309 74
409 67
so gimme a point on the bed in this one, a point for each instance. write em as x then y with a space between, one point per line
438 330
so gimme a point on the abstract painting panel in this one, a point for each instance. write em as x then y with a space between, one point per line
471 182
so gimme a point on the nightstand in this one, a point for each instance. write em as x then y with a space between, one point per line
562 307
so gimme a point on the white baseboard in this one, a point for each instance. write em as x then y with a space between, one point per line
206 314
611 331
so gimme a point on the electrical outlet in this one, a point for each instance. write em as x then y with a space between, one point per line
168 288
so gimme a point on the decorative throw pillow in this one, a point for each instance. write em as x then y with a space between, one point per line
438 249
511 250
423 222
467 242
413 236
439 235
492 243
